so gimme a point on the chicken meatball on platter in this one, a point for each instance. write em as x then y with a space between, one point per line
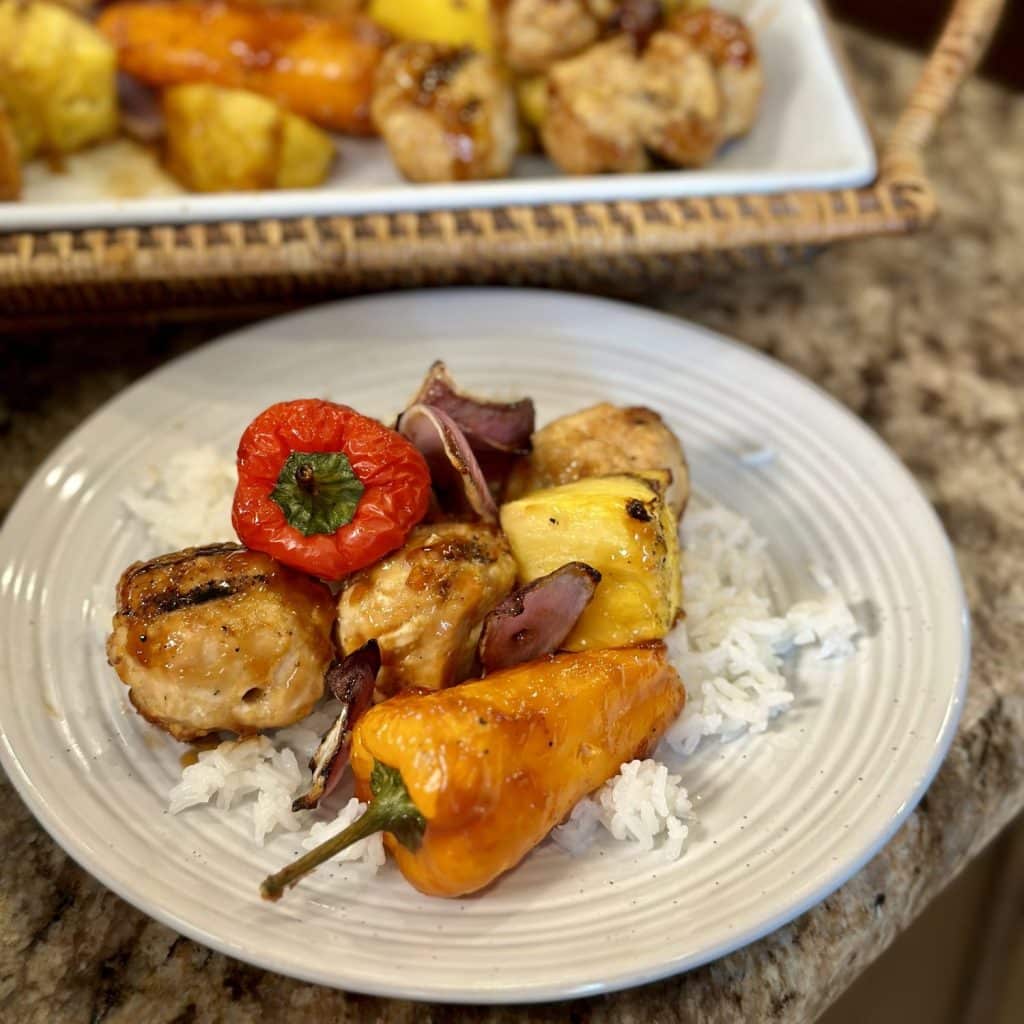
562 101
407 644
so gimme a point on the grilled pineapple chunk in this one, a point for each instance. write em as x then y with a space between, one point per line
623 527
224 140
57 78
452 22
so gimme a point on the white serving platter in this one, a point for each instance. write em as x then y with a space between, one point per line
810 134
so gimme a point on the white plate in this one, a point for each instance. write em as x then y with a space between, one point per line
784 818
809 135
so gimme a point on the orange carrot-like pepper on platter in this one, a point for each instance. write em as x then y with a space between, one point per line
466 781
319 66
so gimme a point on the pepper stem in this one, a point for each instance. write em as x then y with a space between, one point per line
390 810
317 492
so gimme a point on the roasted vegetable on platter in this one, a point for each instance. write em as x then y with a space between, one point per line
57 79
449 22
457 89
317 66
226 140
465 782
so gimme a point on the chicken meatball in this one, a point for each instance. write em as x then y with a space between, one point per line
680 115
426 603
446 114
678 91
612 106
534 34
729 44
599 441
594 109
219 638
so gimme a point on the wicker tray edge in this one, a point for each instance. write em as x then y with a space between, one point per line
618 246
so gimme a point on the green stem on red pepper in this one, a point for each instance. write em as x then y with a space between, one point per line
318 492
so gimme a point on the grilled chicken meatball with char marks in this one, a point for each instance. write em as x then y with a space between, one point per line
221 638
425 604
600 441
446 114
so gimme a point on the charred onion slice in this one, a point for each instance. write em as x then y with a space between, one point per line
351 681
454 471
535 620
489 426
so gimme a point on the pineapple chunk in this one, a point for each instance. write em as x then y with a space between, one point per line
57 78
623 527
451 22
223 140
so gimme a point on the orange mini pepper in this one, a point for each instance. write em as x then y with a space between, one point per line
466 781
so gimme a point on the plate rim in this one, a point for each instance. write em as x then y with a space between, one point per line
516 993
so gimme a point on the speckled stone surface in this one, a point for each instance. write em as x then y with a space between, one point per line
924 338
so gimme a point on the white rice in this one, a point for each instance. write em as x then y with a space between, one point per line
730 649
254 778
731 652
643 804
189 502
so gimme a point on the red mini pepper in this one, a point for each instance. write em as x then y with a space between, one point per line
326 490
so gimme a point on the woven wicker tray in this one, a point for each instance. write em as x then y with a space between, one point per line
613 246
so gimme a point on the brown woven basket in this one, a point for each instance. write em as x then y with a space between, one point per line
613 246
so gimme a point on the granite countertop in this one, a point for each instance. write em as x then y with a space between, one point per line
923 337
